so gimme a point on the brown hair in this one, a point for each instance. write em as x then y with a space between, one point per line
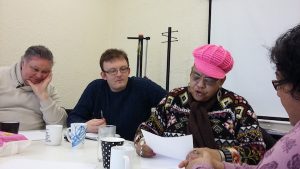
111 54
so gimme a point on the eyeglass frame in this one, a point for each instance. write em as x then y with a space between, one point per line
277 83
210 81
114 71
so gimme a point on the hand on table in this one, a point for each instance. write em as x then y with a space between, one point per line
206 157
93 125
214 153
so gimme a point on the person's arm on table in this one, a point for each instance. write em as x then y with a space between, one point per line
155 125
83 111
251 147
200 160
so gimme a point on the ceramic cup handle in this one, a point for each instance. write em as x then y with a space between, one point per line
68 132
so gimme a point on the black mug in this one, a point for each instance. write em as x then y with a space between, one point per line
106 144
11 127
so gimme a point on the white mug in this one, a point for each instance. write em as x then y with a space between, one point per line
121 157
76 134
53 135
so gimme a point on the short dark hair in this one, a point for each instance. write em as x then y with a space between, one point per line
40 51
111 54
286 56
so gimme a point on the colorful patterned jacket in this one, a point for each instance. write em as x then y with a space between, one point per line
233 121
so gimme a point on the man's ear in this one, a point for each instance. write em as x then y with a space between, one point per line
103 75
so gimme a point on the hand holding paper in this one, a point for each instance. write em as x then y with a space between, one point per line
174 147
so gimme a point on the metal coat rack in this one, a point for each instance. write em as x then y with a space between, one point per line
169 41
139 65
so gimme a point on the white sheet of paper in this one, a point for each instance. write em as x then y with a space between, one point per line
174 147
159 162
34 134
30 164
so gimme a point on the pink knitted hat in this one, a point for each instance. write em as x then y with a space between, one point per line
212 60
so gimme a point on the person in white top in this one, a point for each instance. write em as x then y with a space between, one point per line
26 95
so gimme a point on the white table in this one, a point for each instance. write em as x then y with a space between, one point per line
39 155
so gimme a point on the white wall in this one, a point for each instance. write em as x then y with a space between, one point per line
152 17
78 31
248 30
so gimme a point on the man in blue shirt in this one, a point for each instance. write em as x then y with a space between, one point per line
116 99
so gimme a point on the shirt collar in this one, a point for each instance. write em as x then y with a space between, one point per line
16 75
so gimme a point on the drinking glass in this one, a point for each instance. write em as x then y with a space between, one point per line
104 131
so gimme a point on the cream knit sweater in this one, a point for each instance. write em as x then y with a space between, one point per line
21 104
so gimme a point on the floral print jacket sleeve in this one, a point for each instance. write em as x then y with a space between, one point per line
244 142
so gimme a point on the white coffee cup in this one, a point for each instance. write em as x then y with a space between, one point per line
76 134
121 157
53 135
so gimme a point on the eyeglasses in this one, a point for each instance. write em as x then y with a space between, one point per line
196 77
277 83
114 71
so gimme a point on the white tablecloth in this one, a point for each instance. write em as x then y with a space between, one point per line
39 155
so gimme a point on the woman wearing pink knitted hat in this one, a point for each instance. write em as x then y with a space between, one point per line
222 123
285 154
